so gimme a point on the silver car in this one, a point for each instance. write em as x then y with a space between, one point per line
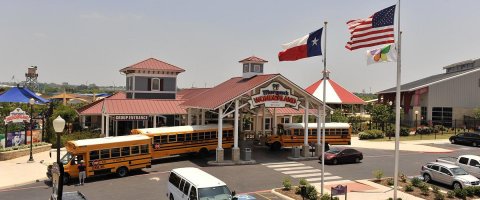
448 174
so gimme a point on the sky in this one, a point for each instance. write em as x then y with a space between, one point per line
84 42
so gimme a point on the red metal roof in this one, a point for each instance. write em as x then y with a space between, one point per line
253 59
95 108
186 94
143 106
227 91
153 64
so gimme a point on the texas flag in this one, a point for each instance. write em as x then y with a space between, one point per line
306 46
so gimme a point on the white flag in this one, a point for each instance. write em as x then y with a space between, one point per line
388 53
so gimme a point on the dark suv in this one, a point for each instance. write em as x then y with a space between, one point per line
466 138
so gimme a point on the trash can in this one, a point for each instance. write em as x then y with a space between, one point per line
295 152
246 154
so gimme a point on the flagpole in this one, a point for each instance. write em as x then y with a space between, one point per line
324 104
397 107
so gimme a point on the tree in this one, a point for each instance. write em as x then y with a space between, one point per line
381 113
338 116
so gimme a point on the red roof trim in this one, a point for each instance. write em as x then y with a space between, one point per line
253 59
153 64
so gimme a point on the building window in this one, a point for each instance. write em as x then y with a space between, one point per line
247 124
257 68
245 68
285 119
442 116
129 83
155 84
268 123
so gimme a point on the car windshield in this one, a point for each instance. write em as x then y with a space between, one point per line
335 151
214 193
66 158
458 171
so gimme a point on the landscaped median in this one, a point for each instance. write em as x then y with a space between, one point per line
15 152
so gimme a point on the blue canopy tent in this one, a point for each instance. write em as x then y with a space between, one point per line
21 95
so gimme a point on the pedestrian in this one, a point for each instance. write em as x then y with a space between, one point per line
81 172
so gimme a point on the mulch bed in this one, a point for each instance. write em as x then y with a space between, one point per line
289 193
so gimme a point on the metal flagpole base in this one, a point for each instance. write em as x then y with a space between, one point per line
219 155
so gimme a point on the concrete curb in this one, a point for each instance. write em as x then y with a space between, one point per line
280 195
230 163
22 184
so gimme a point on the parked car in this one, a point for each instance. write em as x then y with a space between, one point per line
448 174
466 138
342 155
470 163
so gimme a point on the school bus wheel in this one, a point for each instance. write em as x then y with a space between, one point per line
276 146
203 152
122 171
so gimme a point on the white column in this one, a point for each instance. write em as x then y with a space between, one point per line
306 147
203 116
197 117
103 124
133 87
274 121
83 121
263 120
107 126
154 121
189 116
220 128
235 150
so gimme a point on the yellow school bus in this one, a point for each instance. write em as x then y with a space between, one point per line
176 140
107 155
292 134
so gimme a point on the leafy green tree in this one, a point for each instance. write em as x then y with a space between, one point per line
476 113
338 116
383 114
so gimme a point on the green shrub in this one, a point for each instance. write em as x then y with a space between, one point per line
404 131
460 193
302 181
287 184
470 190
476 190
416 181
424 130
435 189
370 134
390 181
325 196
450 194
378 174
409 188
23 146
311 192
425 189
439 196
298 190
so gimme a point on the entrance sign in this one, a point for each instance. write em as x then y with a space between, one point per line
274 96
17 116
130 117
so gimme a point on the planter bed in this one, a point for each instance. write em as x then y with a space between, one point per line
8 155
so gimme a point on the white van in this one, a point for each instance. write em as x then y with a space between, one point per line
191 183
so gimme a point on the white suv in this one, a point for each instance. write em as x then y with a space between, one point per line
448 174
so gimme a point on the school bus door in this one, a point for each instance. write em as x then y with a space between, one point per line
73 167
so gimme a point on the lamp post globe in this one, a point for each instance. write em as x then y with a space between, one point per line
31 101
58 125
331 113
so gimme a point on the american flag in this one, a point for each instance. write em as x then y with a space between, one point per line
372 31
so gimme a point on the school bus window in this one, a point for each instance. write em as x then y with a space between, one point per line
206 135
296 132
314 132
156 139
172 138
201 136
144 149
181 137
125 151
105 153
345 132
225 134
163 139
188 137
135 150
94 155
194 136
115 152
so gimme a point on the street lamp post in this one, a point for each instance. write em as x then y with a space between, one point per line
416 125
331 115
58 125
31 102
390 103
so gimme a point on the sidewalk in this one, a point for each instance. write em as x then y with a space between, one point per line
415 145
18 171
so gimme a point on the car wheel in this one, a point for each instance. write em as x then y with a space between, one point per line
122 171
203 153
66 179
357 160
426 178
334 161
171 197
474 144
452 141
457 185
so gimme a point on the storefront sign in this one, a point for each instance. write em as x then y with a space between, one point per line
130 117
17 116
274 96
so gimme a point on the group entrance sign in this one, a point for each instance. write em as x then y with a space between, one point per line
17 116
274 96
